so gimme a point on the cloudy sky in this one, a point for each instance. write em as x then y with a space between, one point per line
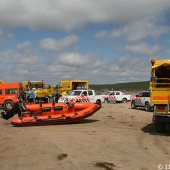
102 41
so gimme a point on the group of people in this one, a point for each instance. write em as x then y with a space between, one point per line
31 96
28 96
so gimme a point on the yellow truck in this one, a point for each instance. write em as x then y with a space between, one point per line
42 92
68 85
160 93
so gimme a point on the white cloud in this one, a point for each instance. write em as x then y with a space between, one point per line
22 64
103 34
10 36
24 46
23 54
5 37
121 69
75 59
136 31
51 44
1 37
144 49
72 14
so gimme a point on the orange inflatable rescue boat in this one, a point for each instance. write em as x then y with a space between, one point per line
50 113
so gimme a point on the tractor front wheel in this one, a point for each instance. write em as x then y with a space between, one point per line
8 105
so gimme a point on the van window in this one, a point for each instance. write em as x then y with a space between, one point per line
11 91
0 92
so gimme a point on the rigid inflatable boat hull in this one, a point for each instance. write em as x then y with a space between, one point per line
79 111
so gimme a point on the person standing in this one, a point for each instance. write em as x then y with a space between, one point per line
31 96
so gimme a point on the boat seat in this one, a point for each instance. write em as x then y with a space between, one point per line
57 108
46 109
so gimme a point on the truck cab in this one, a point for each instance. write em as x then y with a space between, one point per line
9 93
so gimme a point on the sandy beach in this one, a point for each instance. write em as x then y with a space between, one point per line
114 138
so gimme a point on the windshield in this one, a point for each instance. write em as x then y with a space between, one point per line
107 93
37 86
110 93
74 93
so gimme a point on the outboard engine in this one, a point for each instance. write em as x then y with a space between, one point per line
8 113
17 108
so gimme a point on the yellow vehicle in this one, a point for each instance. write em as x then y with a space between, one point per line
42 92
68 85
160 93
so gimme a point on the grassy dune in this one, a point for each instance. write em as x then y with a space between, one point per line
130 86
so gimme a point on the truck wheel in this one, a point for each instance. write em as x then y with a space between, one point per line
124 100
8 105
147 107
160 126
133 106
99 102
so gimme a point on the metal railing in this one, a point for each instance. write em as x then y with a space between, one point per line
160 82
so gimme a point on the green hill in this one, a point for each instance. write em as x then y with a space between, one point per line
130 86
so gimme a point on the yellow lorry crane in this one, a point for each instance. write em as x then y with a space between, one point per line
160 93
68 85
42 92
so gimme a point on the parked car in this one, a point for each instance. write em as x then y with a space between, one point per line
142 100
116 96
82 96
